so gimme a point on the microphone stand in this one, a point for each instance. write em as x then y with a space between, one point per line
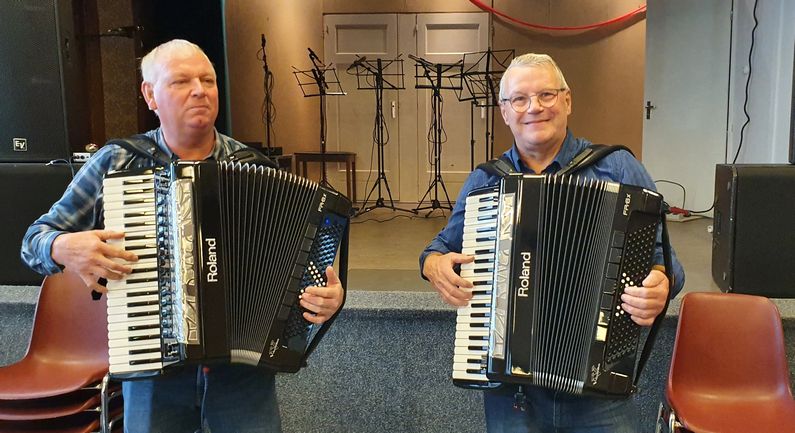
319 74
269 114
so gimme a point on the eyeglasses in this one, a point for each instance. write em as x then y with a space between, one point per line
546 98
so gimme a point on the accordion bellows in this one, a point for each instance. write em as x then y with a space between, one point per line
224 249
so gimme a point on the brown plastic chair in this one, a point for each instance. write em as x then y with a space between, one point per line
729 369
82 422
58 406
68 347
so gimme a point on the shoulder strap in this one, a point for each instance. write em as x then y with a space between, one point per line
590 156
586 158
143 146
658 321
501 166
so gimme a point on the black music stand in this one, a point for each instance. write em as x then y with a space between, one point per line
480 78
325 79
379 74
436 76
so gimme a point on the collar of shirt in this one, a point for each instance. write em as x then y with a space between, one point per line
570 148
214 154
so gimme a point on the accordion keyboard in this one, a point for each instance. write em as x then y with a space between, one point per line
472 322
134 320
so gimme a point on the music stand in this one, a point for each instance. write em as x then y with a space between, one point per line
379 74
323 78
481 86
436 76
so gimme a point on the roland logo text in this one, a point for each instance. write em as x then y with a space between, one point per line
524 275
212 261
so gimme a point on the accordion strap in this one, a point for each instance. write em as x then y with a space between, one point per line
500 167
589 156
343 262
143 146
657 324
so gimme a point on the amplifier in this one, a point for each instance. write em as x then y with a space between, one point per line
27 190
753 238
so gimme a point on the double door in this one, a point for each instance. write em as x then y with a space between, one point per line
408 154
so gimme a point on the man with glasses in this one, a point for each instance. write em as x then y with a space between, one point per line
535 102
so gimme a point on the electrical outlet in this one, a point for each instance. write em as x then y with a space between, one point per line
80 156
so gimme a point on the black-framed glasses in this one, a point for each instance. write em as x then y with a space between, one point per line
546 98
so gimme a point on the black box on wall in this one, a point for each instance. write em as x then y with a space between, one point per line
753 238
43 108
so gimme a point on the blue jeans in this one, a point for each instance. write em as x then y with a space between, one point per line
549 411
225 399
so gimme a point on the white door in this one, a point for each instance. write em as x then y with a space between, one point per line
444 38
351 118
687 83
438 38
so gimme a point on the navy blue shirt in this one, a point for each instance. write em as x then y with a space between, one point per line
618 166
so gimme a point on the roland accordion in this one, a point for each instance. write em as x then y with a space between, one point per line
225 249
552 257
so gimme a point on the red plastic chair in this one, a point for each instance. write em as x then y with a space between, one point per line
68 347
729 369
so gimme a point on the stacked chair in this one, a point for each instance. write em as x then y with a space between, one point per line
729 371
61 385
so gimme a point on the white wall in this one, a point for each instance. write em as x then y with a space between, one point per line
770 92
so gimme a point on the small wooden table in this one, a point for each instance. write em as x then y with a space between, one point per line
349 158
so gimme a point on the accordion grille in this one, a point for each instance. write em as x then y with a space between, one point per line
568 289
264 217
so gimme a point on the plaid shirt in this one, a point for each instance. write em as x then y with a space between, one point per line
80 208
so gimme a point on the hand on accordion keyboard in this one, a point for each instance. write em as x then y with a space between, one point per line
323 302
89 256
646 302
439 269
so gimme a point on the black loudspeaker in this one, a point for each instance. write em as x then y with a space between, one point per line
28 190
42 109
753 238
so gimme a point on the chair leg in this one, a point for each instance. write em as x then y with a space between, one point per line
103 413
667 422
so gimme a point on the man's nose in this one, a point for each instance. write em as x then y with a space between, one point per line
535 105
197 87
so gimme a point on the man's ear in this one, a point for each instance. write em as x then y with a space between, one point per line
568 101
147 89
503 109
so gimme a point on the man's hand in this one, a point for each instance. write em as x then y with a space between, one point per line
322 302
87 255
439 270
645 303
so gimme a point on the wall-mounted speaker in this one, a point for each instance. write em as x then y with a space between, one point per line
42 109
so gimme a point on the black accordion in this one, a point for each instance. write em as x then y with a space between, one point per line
552 257
225 249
